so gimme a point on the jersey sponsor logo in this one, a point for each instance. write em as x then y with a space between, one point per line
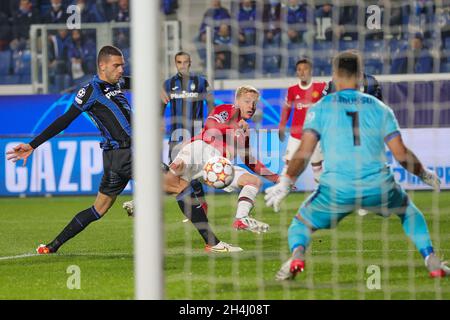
300 106
184 95
112 94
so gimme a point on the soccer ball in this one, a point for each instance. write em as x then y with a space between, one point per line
218 172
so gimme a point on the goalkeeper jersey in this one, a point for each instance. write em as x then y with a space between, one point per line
353 128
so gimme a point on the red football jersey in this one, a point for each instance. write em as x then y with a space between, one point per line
300 98
220 132
220 127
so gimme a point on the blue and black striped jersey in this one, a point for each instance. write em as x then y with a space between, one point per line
188 100
109 109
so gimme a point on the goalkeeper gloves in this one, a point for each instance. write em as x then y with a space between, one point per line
275 194
430 178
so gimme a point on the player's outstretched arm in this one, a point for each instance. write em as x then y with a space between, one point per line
23 151
20 152
411 163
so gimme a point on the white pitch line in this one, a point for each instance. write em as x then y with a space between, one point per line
26 255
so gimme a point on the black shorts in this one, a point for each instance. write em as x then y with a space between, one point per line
117 171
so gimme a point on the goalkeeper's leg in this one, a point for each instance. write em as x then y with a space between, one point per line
415 227
317 212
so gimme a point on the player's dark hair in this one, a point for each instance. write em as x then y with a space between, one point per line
182 53
348 64
106 52
304 60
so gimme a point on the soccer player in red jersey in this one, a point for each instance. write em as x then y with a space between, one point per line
225 134
300 97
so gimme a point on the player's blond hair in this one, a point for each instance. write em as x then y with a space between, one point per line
246 89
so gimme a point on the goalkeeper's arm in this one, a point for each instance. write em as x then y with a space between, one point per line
411 163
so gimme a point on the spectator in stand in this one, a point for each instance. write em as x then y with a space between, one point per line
399 12
297 19
56 14
414 58
5 7
272 22
82 53
122 35
323 20
5 32
423 14
247 34
215 16
348 22
109 9
246 19
222 40
89 12
123 11
23 18
58 53
59 66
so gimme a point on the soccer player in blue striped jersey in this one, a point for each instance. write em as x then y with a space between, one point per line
189 97
104 101
353 128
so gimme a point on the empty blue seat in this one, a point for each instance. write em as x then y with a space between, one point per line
445 67
373 66
323 45
373 45
447 43
347 45
25 79
22 62
5 62
9 79
397 45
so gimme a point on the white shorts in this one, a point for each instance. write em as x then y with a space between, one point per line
195 155
317 155
294 144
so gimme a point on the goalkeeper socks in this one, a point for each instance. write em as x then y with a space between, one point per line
193 209
415 227
78 224
299 235
246 201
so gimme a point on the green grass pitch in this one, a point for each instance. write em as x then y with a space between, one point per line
339 265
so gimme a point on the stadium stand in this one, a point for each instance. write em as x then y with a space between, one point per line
251 38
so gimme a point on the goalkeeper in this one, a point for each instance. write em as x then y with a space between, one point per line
353 128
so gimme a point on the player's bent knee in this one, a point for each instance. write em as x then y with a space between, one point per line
104 202
250 179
